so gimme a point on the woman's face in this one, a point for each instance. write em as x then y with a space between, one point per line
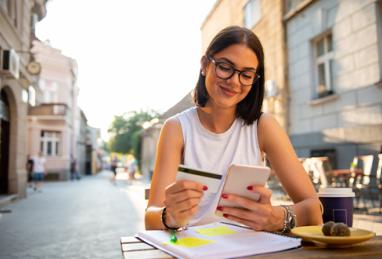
227 93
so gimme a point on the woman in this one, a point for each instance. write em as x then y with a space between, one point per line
227 126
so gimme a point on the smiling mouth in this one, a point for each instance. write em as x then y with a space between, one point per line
228 91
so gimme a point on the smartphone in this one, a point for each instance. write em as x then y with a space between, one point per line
238 178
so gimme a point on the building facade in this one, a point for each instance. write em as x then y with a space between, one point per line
335 69
53 123
17 20
82 143
93 151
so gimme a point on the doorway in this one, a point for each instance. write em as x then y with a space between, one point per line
4 142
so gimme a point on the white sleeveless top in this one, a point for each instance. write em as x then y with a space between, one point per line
214 152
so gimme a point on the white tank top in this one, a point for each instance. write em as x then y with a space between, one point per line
214 152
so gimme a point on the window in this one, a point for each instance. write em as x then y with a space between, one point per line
323 49
50 143
31 96
50 91
12 10
252 13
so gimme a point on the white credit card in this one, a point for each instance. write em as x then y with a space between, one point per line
211 180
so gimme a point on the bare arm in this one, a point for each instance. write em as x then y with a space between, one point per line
275 143
180 198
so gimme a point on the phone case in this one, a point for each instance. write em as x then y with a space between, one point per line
239 177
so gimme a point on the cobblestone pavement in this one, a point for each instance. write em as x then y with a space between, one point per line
80 219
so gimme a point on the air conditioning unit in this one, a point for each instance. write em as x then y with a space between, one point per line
9 63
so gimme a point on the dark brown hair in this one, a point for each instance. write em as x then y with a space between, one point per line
249 109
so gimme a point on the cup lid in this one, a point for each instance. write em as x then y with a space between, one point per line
336 192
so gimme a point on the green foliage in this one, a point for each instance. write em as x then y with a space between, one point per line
126 129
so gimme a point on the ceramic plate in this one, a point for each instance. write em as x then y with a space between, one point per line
314 233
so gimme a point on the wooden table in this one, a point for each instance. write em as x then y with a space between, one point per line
135 248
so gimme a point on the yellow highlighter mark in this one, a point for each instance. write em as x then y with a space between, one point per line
217 231
191 242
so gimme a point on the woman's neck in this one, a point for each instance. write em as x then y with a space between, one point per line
217 120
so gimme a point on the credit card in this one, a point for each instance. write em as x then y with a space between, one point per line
211 180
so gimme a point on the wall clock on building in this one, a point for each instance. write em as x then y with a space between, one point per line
34 68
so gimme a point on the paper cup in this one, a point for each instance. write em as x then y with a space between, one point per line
337 204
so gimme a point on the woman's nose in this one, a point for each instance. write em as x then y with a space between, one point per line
234 80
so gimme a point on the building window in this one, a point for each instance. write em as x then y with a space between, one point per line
252 13
323 50
31 96
12 11
50 143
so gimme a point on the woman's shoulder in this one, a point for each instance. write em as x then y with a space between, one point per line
268 129
266 120
172 125
171 132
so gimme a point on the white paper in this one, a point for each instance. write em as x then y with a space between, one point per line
243 242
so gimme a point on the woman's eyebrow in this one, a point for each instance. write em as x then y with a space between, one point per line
233 64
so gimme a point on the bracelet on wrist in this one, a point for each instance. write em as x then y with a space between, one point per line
163 219
289 219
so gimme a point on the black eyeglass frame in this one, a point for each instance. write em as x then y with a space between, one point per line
234 71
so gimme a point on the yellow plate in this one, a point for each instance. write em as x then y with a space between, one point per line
314 233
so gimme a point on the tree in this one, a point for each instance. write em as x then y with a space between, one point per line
126 129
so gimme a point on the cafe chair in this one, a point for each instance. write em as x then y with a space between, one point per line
312 171
362 180
318 170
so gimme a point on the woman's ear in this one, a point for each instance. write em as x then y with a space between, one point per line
203 65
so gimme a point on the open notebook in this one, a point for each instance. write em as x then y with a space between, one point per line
218 240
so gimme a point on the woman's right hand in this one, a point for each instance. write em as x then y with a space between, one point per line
181 200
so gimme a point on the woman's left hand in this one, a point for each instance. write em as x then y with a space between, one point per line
258 215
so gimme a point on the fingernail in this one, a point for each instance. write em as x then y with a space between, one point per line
225 215
250 188
220 208
205 188
224 196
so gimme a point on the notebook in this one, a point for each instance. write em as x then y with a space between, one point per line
218 240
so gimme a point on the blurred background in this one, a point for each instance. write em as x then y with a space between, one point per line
86 85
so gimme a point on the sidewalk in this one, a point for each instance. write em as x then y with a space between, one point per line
79 219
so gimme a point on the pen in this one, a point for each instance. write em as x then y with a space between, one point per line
173 237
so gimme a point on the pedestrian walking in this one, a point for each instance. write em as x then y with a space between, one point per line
39 172
132 169
29 167
114 166
74 174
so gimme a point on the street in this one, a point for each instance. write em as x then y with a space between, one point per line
79 219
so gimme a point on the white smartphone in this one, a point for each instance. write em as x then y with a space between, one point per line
239 177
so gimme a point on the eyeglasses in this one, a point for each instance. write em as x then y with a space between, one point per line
225 71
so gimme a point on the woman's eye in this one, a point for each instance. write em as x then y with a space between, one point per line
248 75
225 67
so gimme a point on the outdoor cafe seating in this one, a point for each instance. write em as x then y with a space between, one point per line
363 176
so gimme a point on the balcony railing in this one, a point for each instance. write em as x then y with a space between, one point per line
49 109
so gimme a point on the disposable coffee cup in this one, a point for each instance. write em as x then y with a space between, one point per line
337 204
